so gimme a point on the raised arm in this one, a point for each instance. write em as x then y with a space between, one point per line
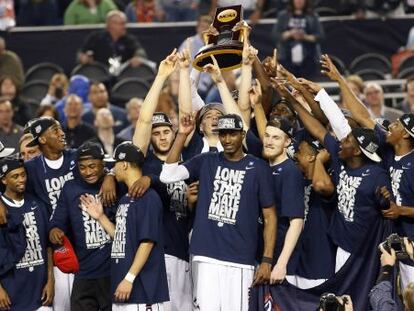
255 94
229 104
358 110
321 181
142 134
312 125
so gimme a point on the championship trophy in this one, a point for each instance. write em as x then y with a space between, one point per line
224 40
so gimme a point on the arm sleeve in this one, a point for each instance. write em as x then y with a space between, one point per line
293 198
148 217
196 100
335 116
60 216
380 297
254 144
173 172
266 187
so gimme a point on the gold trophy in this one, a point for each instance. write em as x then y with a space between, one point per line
224 40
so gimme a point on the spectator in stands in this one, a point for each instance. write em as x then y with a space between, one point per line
98 96
133 108
76 131
10 64
407 105
8 89
381 296
38 13
297 34
10 132
179 11
78 85
58 88
144 11
374 99
104 124
112 43
7 17
27 152
47 111
357 86
81 12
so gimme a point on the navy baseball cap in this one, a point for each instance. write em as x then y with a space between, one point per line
160 119
314 143
128 152
38 127
282 124
4 152
229 122
90 150
8 164
368 142
407 120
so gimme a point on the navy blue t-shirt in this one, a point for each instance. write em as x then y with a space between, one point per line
91 242
317 253
174 199
401 170
46 183
358 204
25 282
139 220
231 196
289 200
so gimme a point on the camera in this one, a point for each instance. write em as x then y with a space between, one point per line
395 242
329 302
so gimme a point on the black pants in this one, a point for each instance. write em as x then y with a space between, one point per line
91 295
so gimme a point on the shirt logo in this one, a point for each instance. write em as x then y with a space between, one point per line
249 167
72 165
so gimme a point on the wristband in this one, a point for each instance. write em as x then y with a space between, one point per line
268 260
129 277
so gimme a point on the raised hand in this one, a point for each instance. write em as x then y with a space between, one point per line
244 28
248 55
323 156
214 71
270 64
186 125
184 58
168 65
329 69
211 31
311 86
255 94
91 205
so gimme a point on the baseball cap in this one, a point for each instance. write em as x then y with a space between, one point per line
407 120
90 149
128 152
38 127
159 119
65 257
8 164
4 152
314 143
368 142
229 122
282 124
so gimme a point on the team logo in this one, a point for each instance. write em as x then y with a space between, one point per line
4 168
38 129
227 15
361 139
372 147
122 156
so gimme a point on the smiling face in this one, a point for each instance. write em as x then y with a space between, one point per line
162 138
274 142
15 180
396 132
91 170
53 138
282 110
231 141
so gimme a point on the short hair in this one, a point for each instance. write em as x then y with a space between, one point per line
408 297
374 85
42 109
115 13
75 97
204 18
357 80
132 101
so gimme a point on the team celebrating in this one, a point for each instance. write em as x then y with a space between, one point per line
273 184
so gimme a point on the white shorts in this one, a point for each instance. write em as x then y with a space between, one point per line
44 308
407 275
137 307
63 290
220 287
341 258
179 285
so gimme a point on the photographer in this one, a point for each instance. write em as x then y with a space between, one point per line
381 295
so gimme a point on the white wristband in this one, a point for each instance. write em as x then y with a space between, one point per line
130 277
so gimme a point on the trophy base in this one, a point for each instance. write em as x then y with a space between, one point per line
228 56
